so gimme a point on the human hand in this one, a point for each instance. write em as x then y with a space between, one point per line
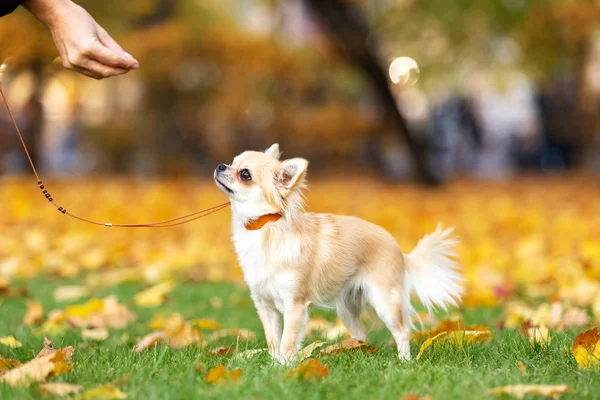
83 45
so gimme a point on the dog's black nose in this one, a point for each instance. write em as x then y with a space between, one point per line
221 167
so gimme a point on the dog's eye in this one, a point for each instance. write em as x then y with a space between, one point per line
245 175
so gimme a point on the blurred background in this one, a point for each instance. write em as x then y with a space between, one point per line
483 89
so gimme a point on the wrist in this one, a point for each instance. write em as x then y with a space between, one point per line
47 11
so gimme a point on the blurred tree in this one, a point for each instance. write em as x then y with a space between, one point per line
452 39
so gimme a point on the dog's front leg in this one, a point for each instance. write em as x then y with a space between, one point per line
295 317
271 320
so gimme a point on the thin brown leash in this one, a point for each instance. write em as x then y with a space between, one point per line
161 224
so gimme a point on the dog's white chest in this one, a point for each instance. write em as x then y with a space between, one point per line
263 265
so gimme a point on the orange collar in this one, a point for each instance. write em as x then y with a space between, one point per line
261 221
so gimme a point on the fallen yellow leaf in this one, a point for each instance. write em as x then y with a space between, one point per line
310 369
207 324
429 342
522 368
59 388
220 374
586 349
98 334
34 313
308 350
71 293
154 296
10 341
519 391
103 392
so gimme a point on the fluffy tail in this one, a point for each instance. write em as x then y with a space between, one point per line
432 272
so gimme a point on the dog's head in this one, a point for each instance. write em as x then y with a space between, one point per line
258 183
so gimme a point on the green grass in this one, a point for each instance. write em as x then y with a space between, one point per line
444 372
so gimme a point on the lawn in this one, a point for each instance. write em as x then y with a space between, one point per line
444 371
529 249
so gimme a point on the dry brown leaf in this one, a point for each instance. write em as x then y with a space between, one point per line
348 345
10 341
34 313
522 368
49 349
98 334
310 369
154 296
222 350
586 349
71 293
103 392
519 391
59 388
35 370
220 374
149 341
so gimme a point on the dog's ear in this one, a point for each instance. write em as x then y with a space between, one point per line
291 174
273 151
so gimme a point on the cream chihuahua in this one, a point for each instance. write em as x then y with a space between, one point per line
292 259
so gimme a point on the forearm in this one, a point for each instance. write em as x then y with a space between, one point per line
47 11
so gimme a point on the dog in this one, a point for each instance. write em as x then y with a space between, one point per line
292 259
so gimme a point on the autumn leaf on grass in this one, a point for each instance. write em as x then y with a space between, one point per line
34 313
149 341
348 345
98 334
35 370
522 368
59 389
456 333
251 353
207 324
222 351
48 362
537 334
10 341
519 391
103 392
50 349
429 342
308 350
96 313
7 364
586 349
220 374
310 369
71 293
154 296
